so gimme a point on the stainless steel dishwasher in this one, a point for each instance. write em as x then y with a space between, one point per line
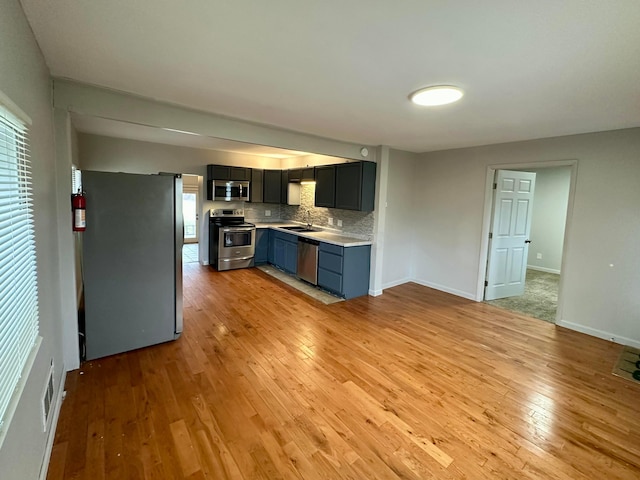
308 260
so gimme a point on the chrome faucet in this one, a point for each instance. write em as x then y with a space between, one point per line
307 216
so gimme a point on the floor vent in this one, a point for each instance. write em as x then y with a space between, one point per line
47 398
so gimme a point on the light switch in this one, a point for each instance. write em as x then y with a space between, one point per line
267 213
330 220
339 223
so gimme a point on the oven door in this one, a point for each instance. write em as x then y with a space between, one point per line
236 242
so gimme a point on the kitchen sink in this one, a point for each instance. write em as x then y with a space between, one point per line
299 228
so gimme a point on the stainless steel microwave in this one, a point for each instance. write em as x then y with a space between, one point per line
228 190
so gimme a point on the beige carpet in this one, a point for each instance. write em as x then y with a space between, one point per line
628 365
540 299
304 287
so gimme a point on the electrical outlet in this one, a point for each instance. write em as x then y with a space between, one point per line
339 223
539 256
267 213
330 221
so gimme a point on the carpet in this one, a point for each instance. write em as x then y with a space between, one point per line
628 365
540 299
298 284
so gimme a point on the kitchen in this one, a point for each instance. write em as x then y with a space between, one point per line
345 235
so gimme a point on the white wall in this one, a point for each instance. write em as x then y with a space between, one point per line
398 241
24 78
551 198
600 281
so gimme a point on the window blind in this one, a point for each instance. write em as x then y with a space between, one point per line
18 281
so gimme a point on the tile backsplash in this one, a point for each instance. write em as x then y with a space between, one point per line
355 224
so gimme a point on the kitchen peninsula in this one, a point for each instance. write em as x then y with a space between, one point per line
342 262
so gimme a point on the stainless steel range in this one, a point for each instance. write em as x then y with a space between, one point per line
232 242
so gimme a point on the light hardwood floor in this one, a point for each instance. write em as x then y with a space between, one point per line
267 383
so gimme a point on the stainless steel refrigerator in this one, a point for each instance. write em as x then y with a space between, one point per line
132 261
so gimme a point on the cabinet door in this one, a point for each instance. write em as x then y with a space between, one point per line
349 185
325 186
291 257
241 174
256 191
284 186
272 181
272 248
330 280
209 189
295 175
279 253
220 172
308 175
262 246
355 186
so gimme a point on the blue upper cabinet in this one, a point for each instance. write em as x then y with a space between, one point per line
356 186
272 186
226 172
349 186
325 186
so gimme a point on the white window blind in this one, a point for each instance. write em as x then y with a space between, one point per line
18 282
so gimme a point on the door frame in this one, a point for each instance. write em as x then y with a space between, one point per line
486 221
197 191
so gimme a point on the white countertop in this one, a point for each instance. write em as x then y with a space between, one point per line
320 235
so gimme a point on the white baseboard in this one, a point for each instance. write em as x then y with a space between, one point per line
442 288
543 269
395 283
52 430
612 337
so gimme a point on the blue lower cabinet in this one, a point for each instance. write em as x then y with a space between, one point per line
285 251
262 246
330 280
278 255
291 257
271 256
344 270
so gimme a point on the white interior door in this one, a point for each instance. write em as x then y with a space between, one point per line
509 237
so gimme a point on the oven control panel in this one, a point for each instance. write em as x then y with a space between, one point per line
226 212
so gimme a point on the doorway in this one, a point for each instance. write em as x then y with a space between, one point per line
190 208
551 216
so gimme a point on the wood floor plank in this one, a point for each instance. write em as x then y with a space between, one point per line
267 383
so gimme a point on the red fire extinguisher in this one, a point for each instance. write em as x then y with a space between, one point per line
78 209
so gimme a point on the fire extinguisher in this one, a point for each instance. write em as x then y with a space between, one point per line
78 209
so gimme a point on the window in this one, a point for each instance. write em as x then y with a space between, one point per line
18 282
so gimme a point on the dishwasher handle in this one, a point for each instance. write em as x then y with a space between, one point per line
308 240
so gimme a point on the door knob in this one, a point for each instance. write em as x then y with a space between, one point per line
527 241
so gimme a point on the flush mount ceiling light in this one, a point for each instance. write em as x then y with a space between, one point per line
437 95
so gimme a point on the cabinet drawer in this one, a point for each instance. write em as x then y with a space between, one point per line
330 280
329 261
331 248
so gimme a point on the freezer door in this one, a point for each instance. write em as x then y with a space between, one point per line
129 250
179 244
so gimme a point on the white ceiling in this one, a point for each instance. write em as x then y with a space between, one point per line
344 69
